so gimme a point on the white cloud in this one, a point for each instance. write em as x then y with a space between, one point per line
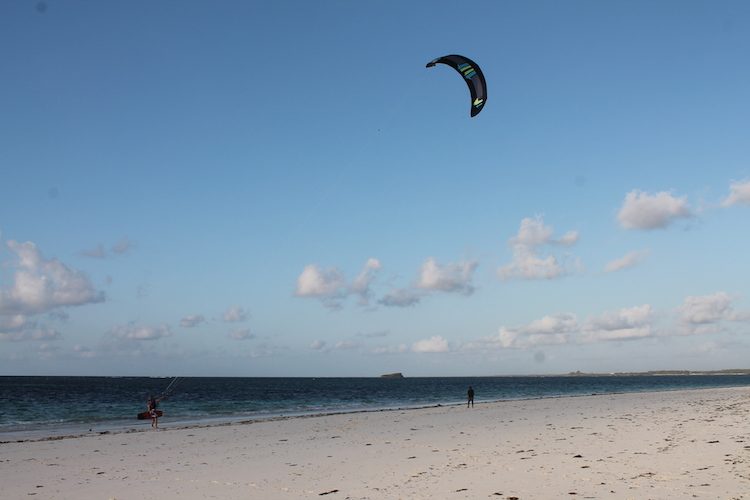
532 233
318 345
361 284
331 288
399 349
564 328
527 262
346 345
548 330
698 310
552 325
242 334
33 333
13 323
569 238
132 331
447 278
529 266
739 193
631 259
327 285
83 352
235 314
40 285
625 324
192 321
644 211
321 283
47 351
342 345
433 344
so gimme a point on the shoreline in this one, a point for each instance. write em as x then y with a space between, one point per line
657 445
69 432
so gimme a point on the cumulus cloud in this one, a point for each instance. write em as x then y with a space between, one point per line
433 344
705 309
192 321
135 332
631 259
242 334
235 314
641 210
528 263
320 283
447 278
565 328
330 285
327 285
549 330
739 193
625 324
18 328
40 285
432 278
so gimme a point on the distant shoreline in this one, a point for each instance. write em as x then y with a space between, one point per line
659 373
731 371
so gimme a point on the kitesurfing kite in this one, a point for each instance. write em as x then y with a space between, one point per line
473 76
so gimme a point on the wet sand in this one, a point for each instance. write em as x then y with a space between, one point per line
663 445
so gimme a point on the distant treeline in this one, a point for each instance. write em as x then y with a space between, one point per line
739 371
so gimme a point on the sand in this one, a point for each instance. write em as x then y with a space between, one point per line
664 445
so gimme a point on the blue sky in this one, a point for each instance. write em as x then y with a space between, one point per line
283 188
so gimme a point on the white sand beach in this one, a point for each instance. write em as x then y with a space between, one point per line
665 445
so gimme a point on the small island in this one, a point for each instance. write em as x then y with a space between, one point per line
393 375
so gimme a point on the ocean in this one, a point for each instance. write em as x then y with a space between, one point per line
37 407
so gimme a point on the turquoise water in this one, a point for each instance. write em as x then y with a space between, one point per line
47 406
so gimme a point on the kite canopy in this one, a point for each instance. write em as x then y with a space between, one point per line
473 76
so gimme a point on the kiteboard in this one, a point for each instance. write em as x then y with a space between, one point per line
147 414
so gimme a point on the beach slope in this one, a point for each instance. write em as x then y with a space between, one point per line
660 445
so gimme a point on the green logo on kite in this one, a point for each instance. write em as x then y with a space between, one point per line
478 102
466 70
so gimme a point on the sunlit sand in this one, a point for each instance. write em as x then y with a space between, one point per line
680 444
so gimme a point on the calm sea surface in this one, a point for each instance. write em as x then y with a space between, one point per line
48 406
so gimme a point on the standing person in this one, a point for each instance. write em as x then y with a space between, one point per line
151 405
470 394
